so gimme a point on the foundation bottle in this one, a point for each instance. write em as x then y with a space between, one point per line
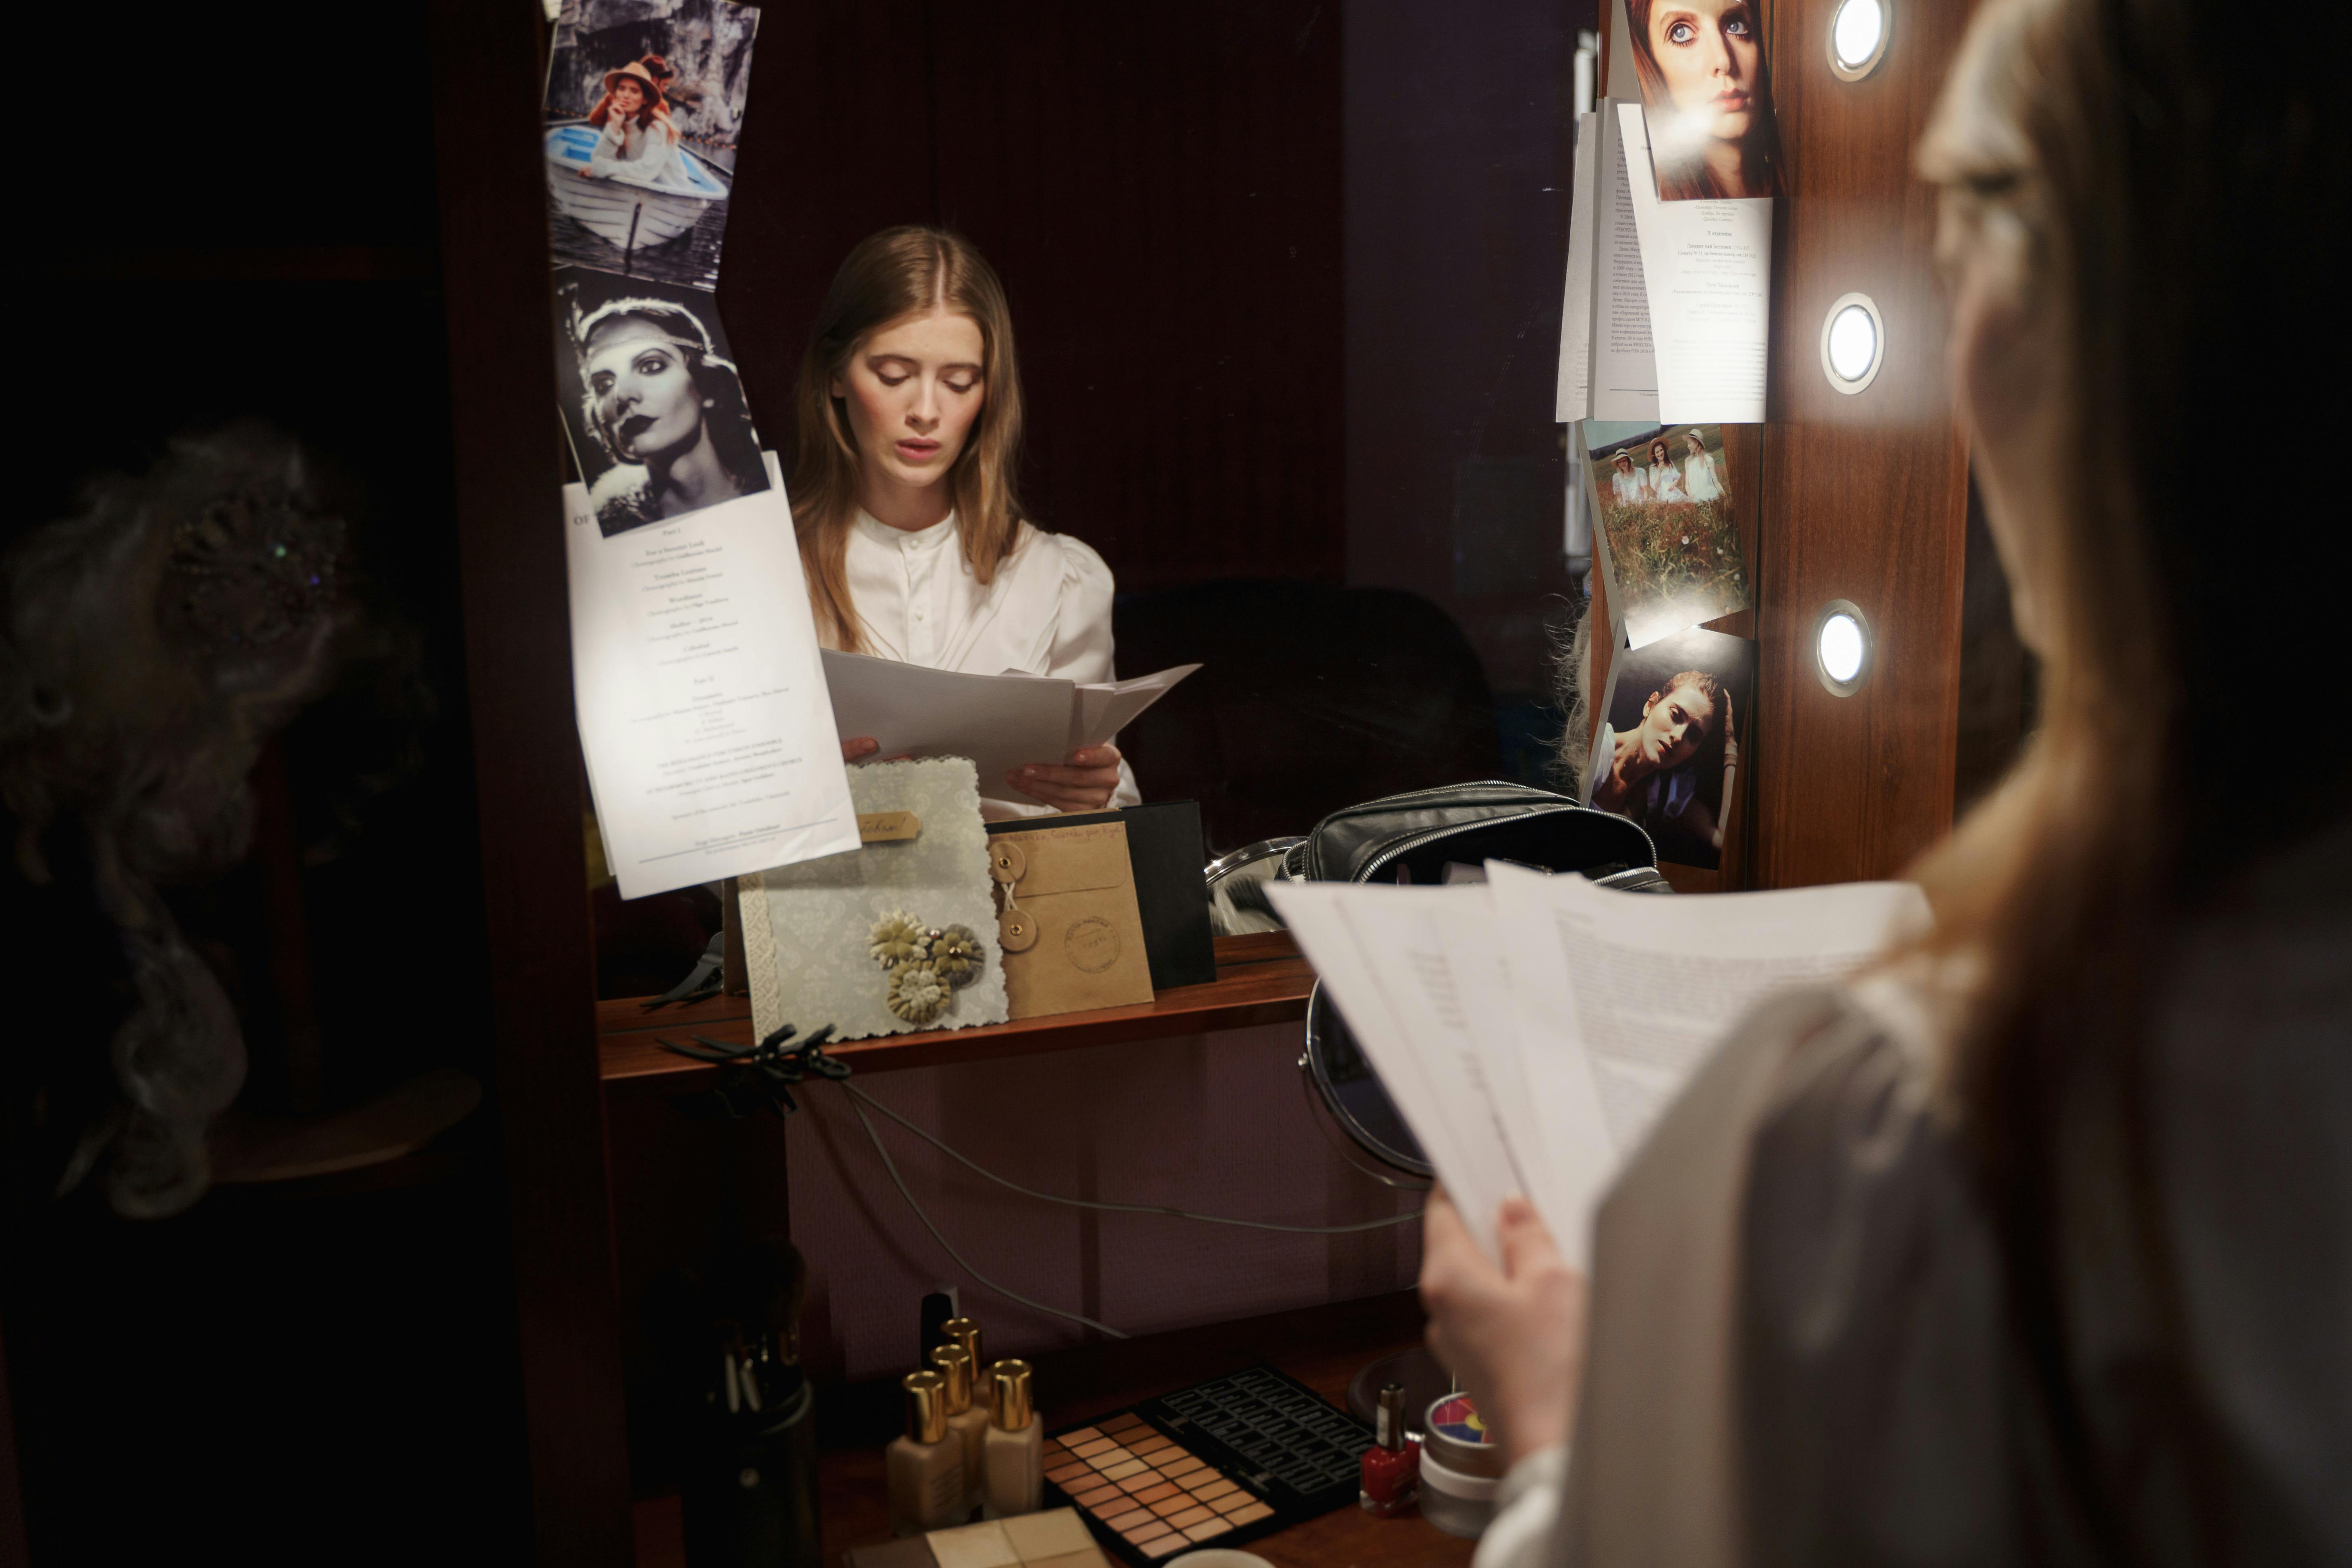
967 1420
925 1469
965 1332
1012 1453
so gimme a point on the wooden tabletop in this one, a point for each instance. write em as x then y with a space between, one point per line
1261 979
1321 1346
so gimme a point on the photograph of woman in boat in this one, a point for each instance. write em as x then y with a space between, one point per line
1704 97
642 117
659 423
1668 752
635 139
1669 533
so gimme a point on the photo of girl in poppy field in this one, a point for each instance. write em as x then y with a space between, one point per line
1669 533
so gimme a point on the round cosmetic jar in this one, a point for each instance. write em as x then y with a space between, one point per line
1461 1469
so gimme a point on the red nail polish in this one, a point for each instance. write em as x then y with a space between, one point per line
1391 1468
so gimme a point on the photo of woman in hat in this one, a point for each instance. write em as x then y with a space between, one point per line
1626 485
1702 480
636 141
666 409
1665 481
1703 97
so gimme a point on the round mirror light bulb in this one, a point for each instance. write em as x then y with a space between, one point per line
1841 647
1854 343
1856 36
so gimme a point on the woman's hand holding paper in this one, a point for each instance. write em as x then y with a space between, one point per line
1084 784
1514 1335
859 749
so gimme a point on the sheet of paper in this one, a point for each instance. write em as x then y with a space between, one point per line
1645 986
1529 1031
1106 708
1547 1132
702 710
1001 721
1378 951
1707 268
1625 361
1572 400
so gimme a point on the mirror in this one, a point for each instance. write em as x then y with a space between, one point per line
1286 283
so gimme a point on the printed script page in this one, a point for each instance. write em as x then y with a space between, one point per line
1378 954
702 711
1708 267
1625 363
1572 399
1643 987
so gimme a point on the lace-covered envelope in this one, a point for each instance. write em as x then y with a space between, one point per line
897 936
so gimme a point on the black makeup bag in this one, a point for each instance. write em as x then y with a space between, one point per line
1413 837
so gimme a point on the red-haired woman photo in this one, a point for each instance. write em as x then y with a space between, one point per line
1703 97
636 141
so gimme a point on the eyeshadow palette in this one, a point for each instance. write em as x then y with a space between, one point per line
1217 1464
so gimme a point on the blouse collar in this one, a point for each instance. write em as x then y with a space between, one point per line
891 538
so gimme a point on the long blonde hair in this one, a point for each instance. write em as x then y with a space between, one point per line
896 273
2170 200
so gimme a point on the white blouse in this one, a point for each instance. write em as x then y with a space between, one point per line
1699 478
1047 612
642 154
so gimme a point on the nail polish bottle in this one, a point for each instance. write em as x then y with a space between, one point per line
967 1421
1392 1474
1013 1452
925 1469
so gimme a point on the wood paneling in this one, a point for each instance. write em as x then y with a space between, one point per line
519 668
1864 498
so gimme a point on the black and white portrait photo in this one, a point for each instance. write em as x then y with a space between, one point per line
655 412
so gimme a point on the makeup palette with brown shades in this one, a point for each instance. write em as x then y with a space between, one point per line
1213 1465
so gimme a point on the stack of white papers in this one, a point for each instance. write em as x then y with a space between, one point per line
1001 721
1664 314
1531 1030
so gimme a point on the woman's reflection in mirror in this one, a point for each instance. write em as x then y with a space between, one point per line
906 441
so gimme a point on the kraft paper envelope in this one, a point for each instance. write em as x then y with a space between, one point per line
1081 932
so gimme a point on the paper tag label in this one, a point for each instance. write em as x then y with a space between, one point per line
887 826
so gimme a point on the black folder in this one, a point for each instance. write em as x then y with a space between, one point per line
1165 847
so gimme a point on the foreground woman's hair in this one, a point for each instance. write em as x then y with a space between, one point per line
2174 202
894 273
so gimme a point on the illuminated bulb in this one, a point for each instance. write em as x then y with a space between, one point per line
1841 647
1854 343
1855 33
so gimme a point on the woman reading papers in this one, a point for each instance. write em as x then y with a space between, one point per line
2034 1245
906 438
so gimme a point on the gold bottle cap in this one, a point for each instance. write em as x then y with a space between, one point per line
965 1332
1009 1404
955 1365
927 1407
